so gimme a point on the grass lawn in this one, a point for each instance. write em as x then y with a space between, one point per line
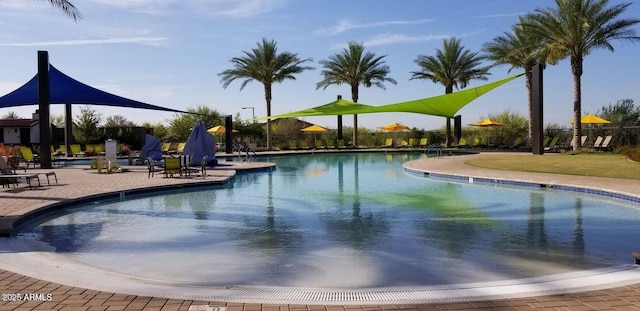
584 164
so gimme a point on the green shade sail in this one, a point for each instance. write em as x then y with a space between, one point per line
446 105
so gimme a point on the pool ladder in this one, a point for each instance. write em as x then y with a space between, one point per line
436 148
249 155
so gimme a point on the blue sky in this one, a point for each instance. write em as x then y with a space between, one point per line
169 53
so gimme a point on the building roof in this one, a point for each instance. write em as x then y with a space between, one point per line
18 122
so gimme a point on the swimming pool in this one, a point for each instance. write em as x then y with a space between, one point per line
344 221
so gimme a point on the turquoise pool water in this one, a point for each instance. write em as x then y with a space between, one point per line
345 221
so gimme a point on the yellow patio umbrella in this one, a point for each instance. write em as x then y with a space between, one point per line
219 129
592 119
487 123
394 127
315 129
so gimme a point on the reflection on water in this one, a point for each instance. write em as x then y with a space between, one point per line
345 220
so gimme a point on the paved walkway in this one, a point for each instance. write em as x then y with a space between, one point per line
76 182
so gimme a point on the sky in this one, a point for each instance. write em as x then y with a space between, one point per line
169 53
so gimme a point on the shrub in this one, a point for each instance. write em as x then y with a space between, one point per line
632 153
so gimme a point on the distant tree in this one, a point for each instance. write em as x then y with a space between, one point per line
520 48
574 28
57 120
515 125
453 66
159 130
11 115
622 115
118 121
354 67
85 126
265 65
182 124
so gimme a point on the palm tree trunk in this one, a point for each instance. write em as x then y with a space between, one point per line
576 69
267 97
529 77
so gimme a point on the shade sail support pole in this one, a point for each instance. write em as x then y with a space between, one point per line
339 121
537 126
43 109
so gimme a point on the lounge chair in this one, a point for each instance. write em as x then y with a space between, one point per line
320 144
413 142
99 149
552 145
424 142
76 150
8 177
165 148
462 143
180 147
388 143
29 157
293 144
304 145
598 142
330 144
605 143
516 143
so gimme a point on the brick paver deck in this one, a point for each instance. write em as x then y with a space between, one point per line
75 182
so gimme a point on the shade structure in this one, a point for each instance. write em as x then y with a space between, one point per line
487 123
66 90
314 129
394 127
592 119
446 105
219 129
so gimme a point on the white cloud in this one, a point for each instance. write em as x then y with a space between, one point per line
135 40
387 39
500 15
229 8
345 25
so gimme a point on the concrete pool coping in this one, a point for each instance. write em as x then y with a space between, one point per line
448 165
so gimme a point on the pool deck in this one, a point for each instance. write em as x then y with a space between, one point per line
76 182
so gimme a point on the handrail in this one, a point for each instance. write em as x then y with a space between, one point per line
249 153
435 147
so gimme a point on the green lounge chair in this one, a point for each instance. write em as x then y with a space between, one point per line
29 157
76 150
388 143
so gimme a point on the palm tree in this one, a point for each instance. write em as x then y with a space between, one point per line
355 67
265 65
67 7
520 49
574 28
453 66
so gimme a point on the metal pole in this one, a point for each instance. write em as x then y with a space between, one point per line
43 107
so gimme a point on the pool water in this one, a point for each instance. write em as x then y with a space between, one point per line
345 221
